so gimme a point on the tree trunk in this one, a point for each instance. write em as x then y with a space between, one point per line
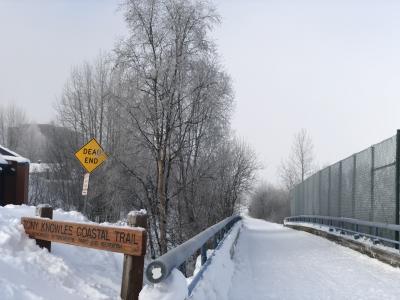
162 204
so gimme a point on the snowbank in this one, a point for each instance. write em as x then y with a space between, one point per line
215 281
172 288
28 272
68 272
368 241
135 213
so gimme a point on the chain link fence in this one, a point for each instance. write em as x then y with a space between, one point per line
362 186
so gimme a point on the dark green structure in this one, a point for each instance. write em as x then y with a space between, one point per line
14 178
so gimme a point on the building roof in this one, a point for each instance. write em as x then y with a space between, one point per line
7 155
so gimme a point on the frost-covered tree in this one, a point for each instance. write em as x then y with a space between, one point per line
12 118
161 108
88 109
300 163
176 82
270 203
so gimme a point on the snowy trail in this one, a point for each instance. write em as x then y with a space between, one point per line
274 262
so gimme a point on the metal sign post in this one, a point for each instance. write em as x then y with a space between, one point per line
85 184
85 190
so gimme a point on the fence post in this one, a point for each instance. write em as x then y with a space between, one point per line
371 218
329 191
44 211
319 193
182 268
303 201
340 190
397 184
353 190
203 252
215 241
132 274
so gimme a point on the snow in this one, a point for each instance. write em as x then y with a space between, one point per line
39 168
68 272
135 213
274 262
216 280
198 265
156 273
3 161
18 159
368 241
266 261
174 287
10 152
11 156
210 287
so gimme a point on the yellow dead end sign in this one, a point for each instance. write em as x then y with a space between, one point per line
91 155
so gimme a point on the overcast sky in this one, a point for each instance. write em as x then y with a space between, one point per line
331 67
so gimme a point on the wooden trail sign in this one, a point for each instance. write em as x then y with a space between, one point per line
130 241
91 155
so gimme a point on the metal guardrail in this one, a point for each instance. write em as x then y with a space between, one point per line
351 226
160 268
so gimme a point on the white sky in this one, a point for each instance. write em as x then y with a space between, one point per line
331 67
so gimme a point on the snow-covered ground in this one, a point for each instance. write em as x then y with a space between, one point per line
68 272
368 241
214 283
270 262
274 262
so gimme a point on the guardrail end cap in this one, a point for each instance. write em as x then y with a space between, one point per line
156 272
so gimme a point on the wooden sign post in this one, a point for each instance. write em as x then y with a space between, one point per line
131 241
132 274
44 211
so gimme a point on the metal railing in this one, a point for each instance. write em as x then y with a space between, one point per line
352 226
160 268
